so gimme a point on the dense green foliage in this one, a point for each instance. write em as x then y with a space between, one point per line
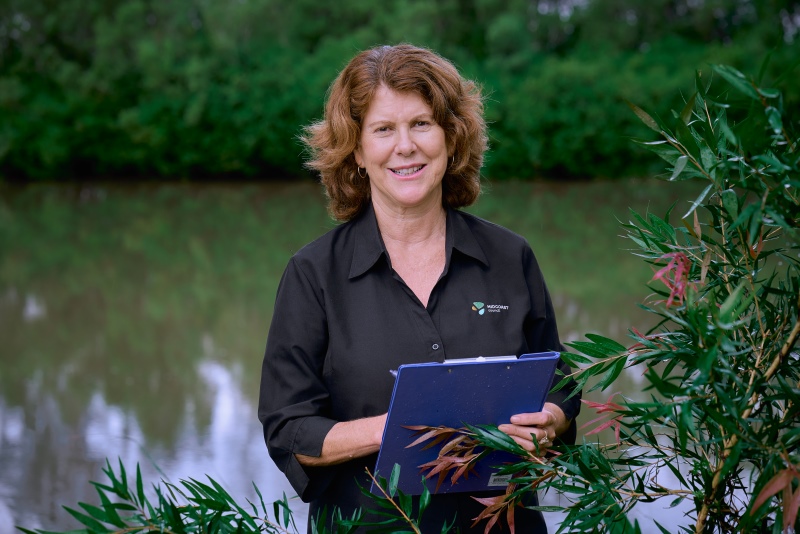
193 88
720 428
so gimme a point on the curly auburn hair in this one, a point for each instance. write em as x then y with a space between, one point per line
456 104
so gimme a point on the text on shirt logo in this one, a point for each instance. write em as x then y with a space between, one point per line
482 308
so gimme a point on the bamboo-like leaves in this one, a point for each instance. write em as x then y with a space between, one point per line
190 506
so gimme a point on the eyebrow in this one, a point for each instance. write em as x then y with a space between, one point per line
428 116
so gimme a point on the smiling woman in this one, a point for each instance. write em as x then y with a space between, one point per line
399 151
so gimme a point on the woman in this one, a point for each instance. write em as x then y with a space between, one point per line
398 150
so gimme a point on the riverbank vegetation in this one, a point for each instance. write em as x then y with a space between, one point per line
197 89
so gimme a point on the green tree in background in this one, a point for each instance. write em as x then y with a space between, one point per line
193 88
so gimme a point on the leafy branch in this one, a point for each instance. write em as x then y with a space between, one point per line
190 506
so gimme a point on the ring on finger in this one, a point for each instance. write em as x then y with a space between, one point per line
544 441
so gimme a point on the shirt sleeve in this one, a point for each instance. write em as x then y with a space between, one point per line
294 402
542 335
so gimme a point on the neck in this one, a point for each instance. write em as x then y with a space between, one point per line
411 227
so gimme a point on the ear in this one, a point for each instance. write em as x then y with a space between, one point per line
357 155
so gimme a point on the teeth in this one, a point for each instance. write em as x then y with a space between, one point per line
407 172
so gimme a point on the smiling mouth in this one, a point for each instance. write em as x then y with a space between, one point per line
408 171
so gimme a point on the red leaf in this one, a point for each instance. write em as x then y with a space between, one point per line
602 427
790 510
417 428
510 518
608 406
489 501
593 421
464 471
675 276
452 444
425 437
776 484
490 524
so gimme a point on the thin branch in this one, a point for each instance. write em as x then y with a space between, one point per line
391 500
702 516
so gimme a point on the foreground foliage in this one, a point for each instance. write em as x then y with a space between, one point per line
718 434
190 506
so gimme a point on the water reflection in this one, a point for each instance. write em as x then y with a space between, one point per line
132 322
46 462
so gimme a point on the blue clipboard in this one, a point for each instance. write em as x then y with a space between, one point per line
475 391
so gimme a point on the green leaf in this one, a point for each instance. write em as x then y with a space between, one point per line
686 112
139 485
394 478
769 93
612 374
96 512
663 149
662 529
687 140
608 343
749 212
594 349
699 200
738 80
680 164
731 202
424 499
111 514
94 525
774 119
728 133
260 498
644 117
573 359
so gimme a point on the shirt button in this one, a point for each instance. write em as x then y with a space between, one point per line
435 346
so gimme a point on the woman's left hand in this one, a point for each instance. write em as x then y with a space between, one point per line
545 425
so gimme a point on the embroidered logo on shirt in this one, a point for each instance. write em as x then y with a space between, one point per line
482 308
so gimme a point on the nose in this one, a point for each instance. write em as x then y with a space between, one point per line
405 142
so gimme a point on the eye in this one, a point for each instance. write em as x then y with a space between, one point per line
422 124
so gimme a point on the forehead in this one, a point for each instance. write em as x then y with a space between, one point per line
387 103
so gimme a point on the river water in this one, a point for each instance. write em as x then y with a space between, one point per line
133 320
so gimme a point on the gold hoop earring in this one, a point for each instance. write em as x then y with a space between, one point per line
359 172
452 160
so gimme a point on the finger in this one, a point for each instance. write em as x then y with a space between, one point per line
530 446
532 419
524 443
524 435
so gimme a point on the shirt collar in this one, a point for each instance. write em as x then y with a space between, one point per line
369 245
460 235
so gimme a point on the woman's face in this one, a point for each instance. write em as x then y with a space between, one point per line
403 150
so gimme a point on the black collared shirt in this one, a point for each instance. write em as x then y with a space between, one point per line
344 319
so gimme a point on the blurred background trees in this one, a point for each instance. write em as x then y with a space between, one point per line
201 89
